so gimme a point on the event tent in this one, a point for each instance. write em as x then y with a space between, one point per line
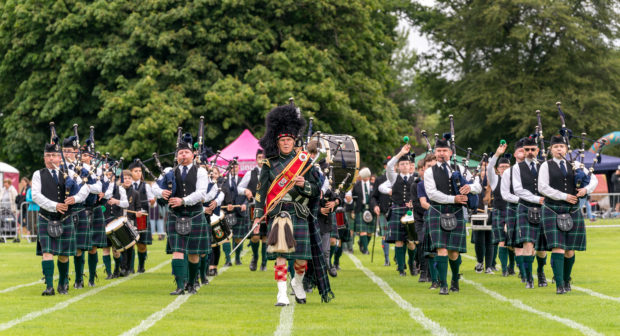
8 171
244 148
608 163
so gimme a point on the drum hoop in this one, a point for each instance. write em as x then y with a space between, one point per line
121 220
219 219
325 144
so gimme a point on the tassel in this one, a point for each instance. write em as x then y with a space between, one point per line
272 239
290 239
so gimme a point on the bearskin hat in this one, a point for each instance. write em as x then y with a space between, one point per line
281 121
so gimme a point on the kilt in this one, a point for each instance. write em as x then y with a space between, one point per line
243 226
396 230
383 225
63 245
301 233
527 232
455 240
198 241
497 227
575 239
350 220
334 232
511 224
361 226
146 237
98 237
82 228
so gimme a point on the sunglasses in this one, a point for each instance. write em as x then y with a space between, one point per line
529 149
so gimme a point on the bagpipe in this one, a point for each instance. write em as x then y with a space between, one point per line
457 179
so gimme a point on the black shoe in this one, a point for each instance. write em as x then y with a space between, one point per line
78 285
443 291
191 289
560 290
300 301
197 284
61 290
49 291
141 270
204 280
529 284
413 271
454 286
479 268
387 263
504 273
116 274
402 273
178 291
542 279
489 270
263 267
337 267
91 284
253 265
212 272
567 286
238 262
109 277
332 272
228 264
434 285
511 271
423 277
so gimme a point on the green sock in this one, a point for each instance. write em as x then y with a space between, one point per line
107 261
541 263
432 268
186 268
178 269
141 259
400 257
557 265
193 271
254 246
92 266
442 270
78 264
63 272
226 247
117 264
48 272
238 254
495 252
529 260
203 266
411 255
511 259
520 264
263 253
503 257
337 255
132 259
568 268
455 266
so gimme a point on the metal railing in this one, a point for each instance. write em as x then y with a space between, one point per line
605 205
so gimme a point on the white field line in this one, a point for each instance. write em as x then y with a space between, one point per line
10 289
65 304
174 305
285 328
414 313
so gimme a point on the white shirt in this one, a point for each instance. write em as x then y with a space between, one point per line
245 181
123 202
439 197
385 187
213 194
44 202
521 192
547 190
149 190
491 176
505 187
202 182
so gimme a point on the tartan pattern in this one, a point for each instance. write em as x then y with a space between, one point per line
63 245
82 228
316 273
455 240
334 232
396 230
243 226
383 224
574 239
350 220
361 226
511 224
527 232
198 241
497 228
301 232
146 238
98 237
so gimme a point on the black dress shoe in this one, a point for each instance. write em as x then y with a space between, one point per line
178 291
49 291
444 291
504 273
78 285
228 264
300 301
238 262
332 272
402 273
567 286
454 286
204 280
253 264
511 271
263 267
412 270
542 279
529 284
212 272
91 284
141 270
61 290
110 276
434 285
387 263
560 290
479 268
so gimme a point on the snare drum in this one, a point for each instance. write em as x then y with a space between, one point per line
344 157
340 218
141 223
121 234
220 231
479 222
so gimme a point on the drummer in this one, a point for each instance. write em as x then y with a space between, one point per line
133 204
117 202
212 201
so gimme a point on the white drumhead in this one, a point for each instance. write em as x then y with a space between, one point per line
115 224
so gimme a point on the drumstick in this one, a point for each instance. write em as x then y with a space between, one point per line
137 212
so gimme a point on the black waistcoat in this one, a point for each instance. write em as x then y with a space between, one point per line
401 191
498 201
443 182
52 191
253 181
185 188
529 181
144 199
558 181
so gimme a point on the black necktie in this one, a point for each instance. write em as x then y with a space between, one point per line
71 166
533 168
233 183
55 176
405 178
135 185
563 168
445 169
184 174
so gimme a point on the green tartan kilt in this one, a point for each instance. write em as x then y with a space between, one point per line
383 225
61 246
511 224
243 226
98 237
82 228
396 230
198 241
575 239
455 240
301 233
334 232
350 220
361 226
146 237
499 220
527 232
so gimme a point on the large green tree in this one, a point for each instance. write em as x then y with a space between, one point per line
138 69
494 63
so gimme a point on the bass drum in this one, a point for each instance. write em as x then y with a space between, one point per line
343 156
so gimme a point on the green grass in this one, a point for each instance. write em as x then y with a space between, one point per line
240 302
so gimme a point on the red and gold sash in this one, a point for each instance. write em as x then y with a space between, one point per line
293 169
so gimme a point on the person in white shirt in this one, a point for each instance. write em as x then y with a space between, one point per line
146 199
562 221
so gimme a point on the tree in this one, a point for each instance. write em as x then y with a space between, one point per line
497 62
138 69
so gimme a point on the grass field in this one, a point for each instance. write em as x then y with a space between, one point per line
370 300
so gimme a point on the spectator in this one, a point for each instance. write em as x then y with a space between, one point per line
8 194
24 185
585 202
33 212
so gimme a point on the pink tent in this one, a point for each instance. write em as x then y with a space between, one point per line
244 148
8 171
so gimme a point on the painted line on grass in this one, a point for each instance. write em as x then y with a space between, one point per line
603 226
10 289
174 305
65 304
414 313
285 328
